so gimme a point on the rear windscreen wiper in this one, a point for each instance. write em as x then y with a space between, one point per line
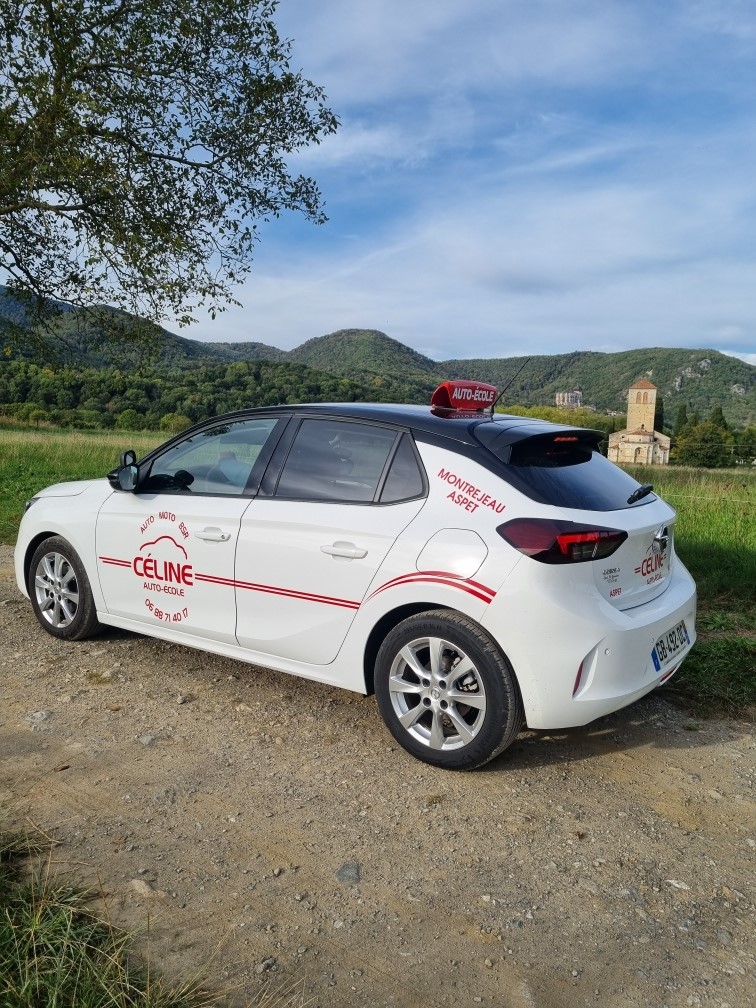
640 493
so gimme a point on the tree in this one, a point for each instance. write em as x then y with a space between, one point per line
38 416
705 445
142 140
174 423
745 445
659 414
717 418
129 419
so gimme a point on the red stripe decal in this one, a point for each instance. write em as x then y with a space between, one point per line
474 588
480 591
272 590
212 579
454 577
293 593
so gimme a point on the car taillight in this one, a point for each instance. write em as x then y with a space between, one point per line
560 542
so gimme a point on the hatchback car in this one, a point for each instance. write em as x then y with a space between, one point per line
474 570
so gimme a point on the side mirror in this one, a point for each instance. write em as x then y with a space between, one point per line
128 475
128 458
125 477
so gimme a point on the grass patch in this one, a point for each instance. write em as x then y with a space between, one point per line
719 675
715 536
715 533
31 460
56 953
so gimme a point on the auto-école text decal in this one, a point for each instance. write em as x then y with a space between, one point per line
162 564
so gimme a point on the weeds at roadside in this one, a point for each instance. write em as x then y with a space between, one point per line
719 674
54 951
715 536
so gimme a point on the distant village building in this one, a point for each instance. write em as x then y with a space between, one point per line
640 444
573 398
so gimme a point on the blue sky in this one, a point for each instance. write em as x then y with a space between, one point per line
520 176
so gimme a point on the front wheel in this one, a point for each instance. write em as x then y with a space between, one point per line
60 593
446 692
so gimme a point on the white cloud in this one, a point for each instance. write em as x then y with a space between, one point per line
398 50
749 358
518 262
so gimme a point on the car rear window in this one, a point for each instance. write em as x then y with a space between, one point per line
563 468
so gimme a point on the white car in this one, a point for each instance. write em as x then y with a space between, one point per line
474 570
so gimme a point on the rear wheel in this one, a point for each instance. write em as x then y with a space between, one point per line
446 692
60 593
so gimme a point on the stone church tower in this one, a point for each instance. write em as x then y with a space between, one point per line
639 443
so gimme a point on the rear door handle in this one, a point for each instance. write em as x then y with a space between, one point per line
213 535
347 550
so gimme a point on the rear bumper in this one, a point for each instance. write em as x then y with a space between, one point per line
576 658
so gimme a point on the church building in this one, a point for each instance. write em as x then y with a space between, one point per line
639 444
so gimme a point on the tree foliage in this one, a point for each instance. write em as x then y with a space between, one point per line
704 444
142 140
153 399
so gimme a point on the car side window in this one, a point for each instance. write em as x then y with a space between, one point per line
405 477
217 460
334 460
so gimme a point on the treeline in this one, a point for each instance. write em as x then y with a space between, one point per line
710 442
170 398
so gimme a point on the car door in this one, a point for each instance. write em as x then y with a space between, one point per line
166 553
310 546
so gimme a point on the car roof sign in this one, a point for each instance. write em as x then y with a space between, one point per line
464 396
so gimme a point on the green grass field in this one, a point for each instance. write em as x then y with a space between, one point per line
716 539
31 460
715 536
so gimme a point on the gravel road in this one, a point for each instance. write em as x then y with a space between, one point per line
275 835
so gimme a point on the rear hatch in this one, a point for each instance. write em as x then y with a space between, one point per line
640 569
562 467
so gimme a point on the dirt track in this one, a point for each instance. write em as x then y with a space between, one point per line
277 835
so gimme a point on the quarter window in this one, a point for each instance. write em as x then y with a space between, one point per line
405 478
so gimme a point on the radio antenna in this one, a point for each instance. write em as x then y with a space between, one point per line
498 398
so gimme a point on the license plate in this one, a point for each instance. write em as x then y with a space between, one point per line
669 645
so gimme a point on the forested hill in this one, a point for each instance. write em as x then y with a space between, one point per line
385 369
698 379
351 351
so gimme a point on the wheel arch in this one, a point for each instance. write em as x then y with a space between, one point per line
394 617
30 550
384 626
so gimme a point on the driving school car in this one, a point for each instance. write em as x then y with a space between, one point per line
474 570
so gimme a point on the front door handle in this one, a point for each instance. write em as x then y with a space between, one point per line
347 550
213 535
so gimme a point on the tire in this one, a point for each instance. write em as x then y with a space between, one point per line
60 593
446 692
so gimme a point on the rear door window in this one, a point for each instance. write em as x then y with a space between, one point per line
336 460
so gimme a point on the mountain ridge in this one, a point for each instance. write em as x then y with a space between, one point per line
700 379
